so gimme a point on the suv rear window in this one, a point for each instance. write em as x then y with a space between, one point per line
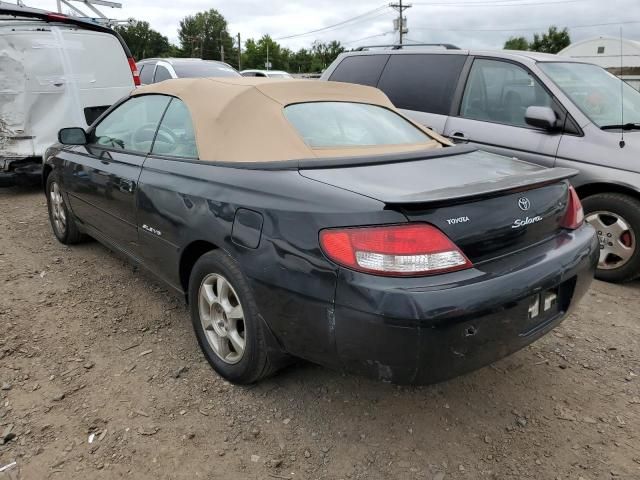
422 82
344 124
204 69
361 69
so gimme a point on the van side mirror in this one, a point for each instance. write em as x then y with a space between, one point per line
72 136
541 117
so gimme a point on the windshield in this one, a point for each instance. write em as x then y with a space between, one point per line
204 69
344 124
596 92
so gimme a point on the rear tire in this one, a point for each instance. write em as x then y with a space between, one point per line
62 222
225 318
616 218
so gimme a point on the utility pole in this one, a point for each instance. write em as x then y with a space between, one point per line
239 53
221 46
400 8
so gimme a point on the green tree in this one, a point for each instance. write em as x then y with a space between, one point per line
255 54
201 35
143 41
551 42
516 43
325 53
301 61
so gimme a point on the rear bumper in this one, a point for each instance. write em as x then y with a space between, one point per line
423 330
20 171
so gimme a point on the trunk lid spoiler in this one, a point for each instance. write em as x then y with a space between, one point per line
455 175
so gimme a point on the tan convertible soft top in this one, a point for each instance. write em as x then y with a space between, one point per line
242 119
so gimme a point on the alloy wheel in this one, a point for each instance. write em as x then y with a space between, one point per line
222 318
616 237
58 212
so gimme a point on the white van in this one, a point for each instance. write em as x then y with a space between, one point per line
55 71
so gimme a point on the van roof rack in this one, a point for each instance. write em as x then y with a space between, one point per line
76 15
398 46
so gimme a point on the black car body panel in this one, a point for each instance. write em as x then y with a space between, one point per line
159 210
444 180
163 213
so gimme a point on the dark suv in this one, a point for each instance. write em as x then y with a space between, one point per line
546 109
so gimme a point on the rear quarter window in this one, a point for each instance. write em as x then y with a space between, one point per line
146 73
361 69
422 82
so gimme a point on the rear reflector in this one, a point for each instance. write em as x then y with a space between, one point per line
574 217
396 250
134 71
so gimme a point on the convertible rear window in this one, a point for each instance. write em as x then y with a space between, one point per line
345 124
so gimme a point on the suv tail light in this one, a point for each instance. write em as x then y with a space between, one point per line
396 250
574 217
134 71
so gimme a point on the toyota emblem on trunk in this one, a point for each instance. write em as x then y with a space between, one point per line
524 203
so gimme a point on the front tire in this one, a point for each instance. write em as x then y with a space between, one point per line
225 318
62 222
616 218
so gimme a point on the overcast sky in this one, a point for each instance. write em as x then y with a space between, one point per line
466 23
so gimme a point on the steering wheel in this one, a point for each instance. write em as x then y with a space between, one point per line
142 137
598 102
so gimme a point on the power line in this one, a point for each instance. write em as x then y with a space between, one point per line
522 28
367 38
339 24
478 4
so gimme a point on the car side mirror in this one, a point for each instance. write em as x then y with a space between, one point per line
541 117
72 136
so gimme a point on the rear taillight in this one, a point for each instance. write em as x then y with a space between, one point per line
56 16
396 250
574 217
134 71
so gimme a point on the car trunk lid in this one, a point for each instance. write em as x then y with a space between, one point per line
488 204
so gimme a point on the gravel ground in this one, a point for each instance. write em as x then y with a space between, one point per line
101 377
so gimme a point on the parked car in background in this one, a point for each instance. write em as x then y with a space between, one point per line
266 73
546 109
312 219
154 70
49 78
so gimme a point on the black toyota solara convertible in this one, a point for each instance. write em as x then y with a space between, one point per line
311 219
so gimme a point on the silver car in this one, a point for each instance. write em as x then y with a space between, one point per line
154 70
542 108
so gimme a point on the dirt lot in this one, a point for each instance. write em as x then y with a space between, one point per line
101 377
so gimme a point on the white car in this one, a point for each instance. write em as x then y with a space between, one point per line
266 73
154 70
56 71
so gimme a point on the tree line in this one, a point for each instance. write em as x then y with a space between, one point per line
552 41
205 35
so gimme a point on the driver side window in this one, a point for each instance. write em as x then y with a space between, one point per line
500 92
132 125
176 137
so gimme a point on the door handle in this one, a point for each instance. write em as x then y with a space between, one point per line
459 137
